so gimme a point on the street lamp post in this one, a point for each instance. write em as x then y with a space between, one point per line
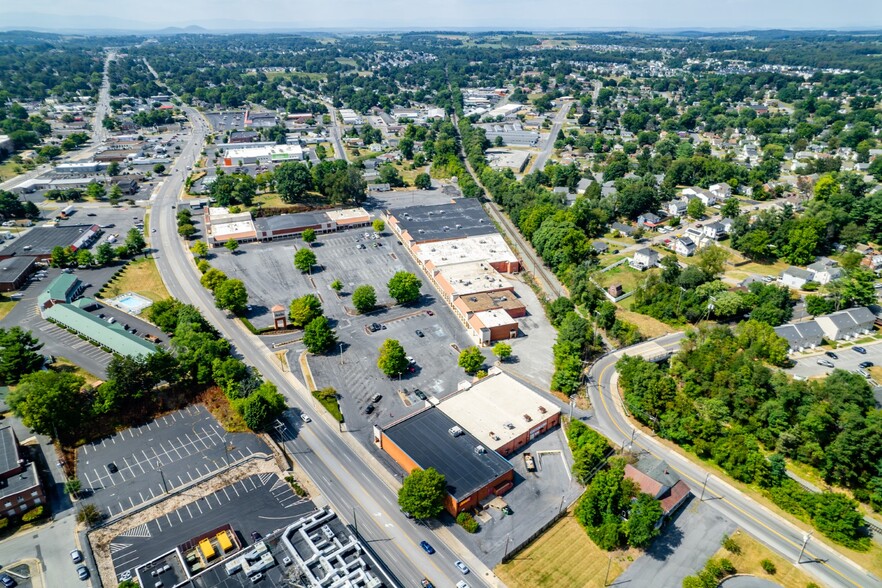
805 540
703 486
162 475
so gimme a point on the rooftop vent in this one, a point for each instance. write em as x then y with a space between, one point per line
458 226
509 426
479 449
528 418
542 410
455 431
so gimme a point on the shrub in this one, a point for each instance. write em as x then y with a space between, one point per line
730 545
726 567
33 514
467 522
297 488
481 374
4 522
769 566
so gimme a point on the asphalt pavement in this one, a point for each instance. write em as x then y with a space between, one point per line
847 359
341 469
557 123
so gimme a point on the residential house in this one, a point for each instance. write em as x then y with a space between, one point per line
659 480
707 197
649 220
727 224
623 229
847 324
644 259
677 208
873 262
796 277
825 270
600 246
714 231
801 336
722 191
683 246
20 488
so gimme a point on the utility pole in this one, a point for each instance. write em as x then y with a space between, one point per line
703 486
162 475
608 566
507 539
805 540
354 520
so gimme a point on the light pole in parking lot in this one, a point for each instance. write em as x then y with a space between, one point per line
162 475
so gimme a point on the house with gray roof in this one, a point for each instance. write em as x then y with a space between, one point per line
600 246
847 324
796 277
644 259
801 336
684 246
624 229
825 270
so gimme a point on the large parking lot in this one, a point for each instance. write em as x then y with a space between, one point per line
261 503
158 457
847 359
226 121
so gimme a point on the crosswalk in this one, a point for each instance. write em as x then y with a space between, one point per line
139 531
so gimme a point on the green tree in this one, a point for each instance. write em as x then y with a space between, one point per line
826 187
404 287
640 528
200 249
49 401
422 181
19 354
135 243
502 350
104 254
695 209
731 208
817 305
422 493
116 195
88 512
232 245
186 230
711 260
364 298
471 359
293 181
73 486
393 359
802 241
59 257
85 258
212 279
231 295
158 169
321 152
336 286
96 191
309 236
318 336
113 168
304 309
858 287
379 225
304 259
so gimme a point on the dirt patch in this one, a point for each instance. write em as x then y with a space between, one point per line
648 326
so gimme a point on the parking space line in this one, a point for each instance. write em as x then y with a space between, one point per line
225 492
217 495
234 489
197 506
168 520
156 520
208 504
179 515
181 481
188 510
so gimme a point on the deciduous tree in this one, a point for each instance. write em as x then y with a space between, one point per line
422 493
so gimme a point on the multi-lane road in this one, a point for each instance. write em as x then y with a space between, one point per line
819 560
556 124
353 482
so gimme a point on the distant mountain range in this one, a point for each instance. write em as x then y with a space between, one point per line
109 25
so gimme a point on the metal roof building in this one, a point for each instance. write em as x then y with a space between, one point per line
461 218
100 332
39 241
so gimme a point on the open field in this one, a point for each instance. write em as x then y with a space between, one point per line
648 326
753 552
623 274
562 556
142 277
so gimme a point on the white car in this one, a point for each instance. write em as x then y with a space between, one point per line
305 418
462 584
462 567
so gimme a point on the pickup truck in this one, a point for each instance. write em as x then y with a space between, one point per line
528 461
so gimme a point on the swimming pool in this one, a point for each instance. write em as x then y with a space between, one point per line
131 302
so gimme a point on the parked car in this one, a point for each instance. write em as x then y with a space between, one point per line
255 536
7 580
419 333
462 567
369 409
462 584
305 418
427 548
831 355
420 394
430 313
860 350
826 363
83 572
376 398
76 555
111 467
865 364
374 327
426 584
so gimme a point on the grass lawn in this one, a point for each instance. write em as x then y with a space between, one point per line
346 61
329 401
648 326
10 169
562 556
753 552
624 274
6 307
66 366
270 200
140 276
766 269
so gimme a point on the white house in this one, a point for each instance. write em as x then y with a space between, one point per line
676 208
801 336
684 246
825 270
707 197
795 277
714 230
644 259
721 191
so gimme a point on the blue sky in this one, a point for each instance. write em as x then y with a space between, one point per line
526 14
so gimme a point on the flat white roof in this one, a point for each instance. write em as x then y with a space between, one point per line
494 318
229 229
347 215
472 277
498 405
490 248
294 150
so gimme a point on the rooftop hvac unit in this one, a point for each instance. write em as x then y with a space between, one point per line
479 449
509 426
455 431
458 226
542 410
528 418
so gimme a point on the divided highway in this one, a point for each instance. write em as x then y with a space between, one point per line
819 560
